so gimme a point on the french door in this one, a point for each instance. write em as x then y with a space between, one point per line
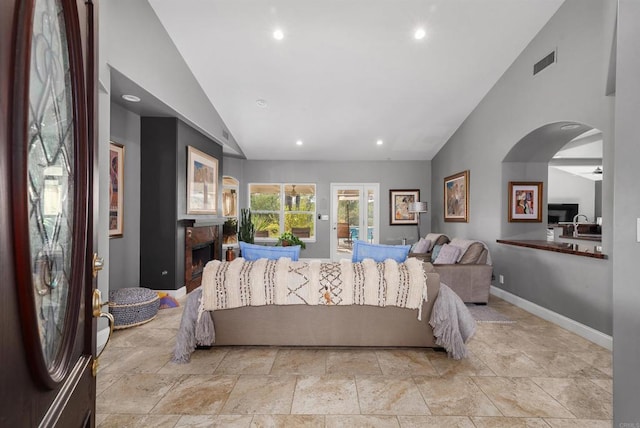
355 211
47 265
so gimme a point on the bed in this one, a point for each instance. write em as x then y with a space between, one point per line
323 304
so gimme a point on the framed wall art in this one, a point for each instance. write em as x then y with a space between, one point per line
116 190
525 201
202 182
399 201
456 197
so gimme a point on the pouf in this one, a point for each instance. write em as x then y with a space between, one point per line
133 306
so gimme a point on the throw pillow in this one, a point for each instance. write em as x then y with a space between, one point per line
378 252
422 246
252 252
472 254
448 255
434 252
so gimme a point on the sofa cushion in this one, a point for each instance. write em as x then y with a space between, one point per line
448 255
378 252
472 255
436 239
254 252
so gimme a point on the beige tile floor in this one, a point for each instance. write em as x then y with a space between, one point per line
526 374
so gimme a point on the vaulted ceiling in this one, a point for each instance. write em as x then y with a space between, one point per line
348 79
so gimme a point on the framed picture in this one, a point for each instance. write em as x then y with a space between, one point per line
456 197
525 201
116 190
202 182
399 201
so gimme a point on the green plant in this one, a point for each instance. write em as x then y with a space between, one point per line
230 226
246 231
288 239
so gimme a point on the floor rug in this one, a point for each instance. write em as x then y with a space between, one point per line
486 314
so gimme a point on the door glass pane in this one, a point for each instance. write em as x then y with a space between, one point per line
348 219
50 178
371 203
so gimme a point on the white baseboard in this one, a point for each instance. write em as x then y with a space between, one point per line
573 326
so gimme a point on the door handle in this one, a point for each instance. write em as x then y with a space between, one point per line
97 305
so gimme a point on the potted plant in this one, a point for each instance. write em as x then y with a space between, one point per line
229 230
246 231
289 239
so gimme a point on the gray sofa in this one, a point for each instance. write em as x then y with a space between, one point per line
470 277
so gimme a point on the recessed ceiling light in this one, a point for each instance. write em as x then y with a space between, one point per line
131 98
379 142
261 103
299 143
569 126
419 34
278 34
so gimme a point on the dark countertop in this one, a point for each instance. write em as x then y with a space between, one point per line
592 238
585 250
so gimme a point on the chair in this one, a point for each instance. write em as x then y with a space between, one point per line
344 232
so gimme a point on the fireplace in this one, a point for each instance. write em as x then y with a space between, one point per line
200 255
201 246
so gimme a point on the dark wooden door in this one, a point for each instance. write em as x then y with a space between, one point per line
47 137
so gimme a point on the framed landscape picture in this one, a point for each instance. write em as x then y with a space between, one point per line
525 201
202 182
456 197
399 201
116 190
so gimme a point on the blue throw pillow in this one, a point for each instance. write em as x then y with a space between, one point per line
378 252
253 252
435 252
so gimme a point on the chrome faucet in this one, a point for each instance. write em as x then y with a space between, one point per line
576 223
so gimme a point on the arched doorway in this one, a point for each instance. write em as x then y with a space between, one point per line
564 147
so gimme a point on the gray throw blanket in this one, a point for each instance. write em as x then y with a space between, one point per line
452 325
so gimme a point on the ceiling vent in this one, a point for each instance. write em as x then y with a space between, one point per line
544 63
225 134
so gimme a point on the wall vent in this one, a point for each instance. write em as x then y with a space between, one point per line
544 63
225 134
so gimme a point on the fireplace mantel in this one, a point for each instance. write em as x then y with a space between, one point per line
202 221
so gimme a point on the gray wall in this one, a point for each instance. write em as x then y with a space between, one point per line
139 47
573 89
389 174
626 292
153 63
124 253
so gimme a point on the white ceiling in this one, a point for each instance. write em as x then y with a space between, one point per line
349 72
581 156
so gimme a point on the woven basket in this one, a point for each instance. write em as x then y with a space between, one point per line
133 306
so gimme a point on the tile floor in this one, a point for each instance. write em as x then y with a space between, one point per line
525 374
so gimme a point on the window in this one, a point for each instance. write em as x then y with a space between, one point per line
278 208
230 210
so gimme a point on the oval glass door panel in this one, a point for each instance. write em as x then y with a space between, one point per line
50 170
